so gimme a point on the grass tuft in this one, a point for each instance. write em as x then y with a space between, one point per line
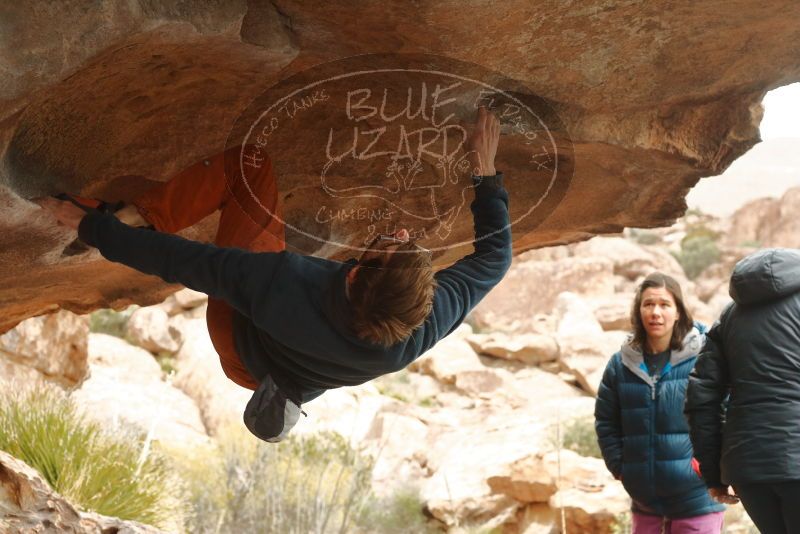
93 469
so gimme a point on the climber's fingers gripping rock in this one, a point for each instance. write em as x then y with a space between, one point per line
482 143
66 213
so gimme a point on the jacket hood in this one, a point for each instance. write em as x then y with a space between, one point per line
767 275
633 358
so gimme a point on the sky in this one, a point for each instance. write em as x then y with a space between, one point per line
766 170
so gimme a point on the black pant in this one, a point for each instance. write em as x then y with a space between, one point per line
773 506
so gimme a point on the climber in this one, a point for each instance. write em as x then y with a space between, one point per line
290 326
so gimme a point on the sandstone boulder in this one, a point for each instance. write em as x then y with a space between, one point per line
407 386
446 359
399 444
767 222
350 412
591 512
531 288
630 259
150 329
189 298
586 357
614 312
753 223
464 455
539 390
589 495
469 446
126 388
531 349
585 346
528 481
183 301
481 382
51 347
200 376
575 317
713 280
536 519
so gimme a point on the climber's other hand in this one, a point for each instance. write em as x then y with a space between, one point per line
66 213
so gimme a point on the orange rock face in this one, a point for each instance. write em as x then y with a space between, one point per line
641 102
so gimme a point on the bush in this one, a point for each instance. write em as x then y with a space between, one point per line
397 514
578 435
111 322
645 237
116 475
698 251
313 484
302 485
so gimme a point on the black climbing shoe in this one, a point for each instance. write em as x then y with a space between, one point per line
90 205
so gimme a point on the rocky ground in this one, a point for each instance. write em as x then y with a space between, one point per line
478 424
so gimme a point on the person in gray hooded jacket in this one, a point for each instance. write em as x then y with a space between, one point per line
641 430
751 363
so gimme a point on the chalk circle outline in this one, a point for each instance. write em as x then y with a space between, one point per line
553 179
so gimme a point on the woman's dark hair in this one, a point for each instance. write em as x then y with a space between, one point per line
682 326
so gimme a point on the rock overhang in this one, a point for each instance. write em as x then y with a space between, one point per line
652 99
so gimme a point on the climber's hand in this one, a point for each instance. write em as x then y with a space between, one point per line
482 143
66 213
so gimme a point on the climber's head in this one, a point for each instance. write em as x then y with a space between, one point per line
391 289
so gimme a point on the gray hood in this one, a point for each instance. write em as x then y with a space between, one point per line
633 359
767 275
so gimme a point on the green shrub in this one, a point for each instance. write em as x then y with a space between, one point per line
698 251
398 513
168 363
699 231
395 385
305 484
645 237
111 322
116 475
578 435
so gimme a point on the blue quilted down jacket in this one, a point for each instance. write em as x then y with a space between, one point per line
644 436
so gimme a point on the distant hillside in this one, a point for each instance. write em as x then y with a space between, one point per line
767 170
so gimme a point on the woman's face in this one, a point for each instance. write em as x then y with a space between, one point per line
659 312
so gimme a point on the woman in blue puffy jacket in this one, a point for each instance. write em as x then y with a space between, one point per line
639 419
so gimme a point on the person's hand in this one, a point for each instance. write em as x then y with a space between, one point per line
482 143
66 213
723 494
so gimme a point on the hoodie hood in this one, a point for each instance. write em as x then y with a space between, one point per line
767 275
633 358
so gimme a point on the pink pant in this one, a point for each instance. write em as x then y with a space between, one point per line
701 524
